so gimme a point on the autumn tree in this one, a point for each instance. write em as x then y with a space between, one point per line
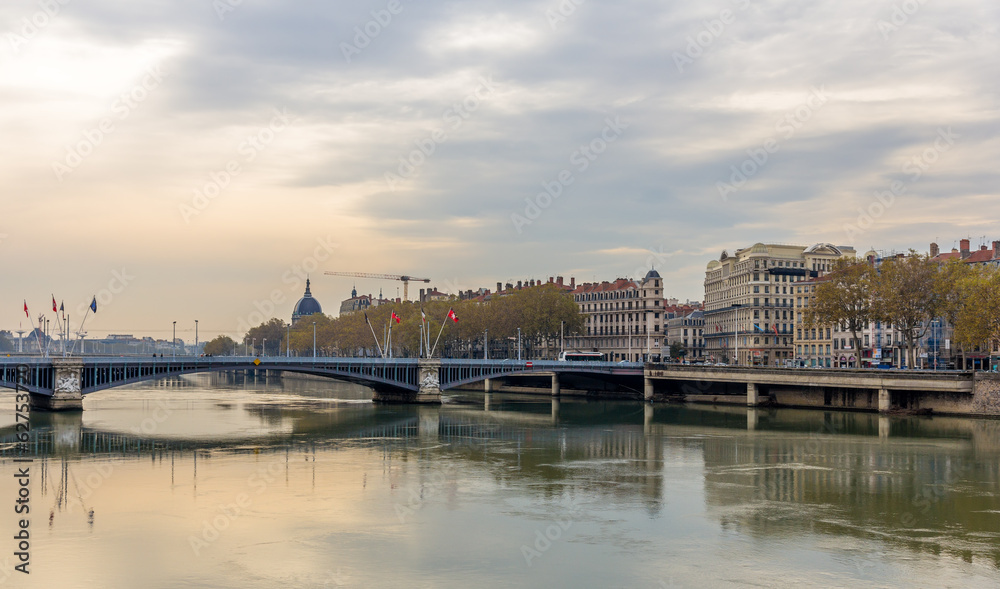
273 331
906 297
844 297
977 319
220 346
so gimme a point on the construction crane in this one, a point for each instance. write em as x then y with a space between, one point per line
404 279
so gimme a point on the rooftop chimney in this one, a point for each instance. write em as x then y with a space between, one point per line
996 249
559 280
499 287
518 285
964 245
572 281
935 250
551 280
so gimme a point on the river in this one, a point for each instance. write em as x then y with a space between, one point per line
206 481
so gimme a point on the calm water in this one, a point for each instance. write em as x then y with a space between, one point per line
200 482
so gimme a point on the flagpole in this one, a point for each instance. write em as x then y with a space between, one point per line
443 323
38 340
82 323
373 335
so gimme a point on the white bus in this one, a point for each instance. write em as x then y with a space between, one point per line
581 357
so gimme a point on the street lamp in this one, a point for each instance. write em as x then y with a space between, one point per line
518 344
263 347
195 336
486 344
174 344
253 344
314 340
288 341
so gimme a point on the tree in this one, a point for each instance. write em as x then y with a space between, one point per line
677 351
905 296
220 346
273 332
977 320
844 297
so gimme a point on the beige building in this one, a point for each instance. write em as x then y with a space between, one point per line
814 346
624 319
750 313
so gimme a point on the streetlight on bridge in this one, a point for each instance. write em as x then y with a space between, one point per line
314 340
195 336
263 347
174 343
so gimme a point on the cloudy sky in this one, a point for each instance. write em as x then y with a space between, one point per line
189 159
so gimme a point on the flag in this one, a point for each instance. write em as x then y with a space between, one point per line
93 305
26 310
452 315
718 328
366 319
62 306
395 317
54 308
423 316
757 327
775 329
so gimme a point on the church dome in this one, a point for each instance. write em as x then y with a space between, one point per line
651 274
307 305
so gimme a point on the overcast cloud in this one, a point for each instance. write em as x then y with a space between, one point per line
635 113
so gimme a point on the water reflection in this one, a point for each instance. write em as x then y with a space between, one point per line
669 493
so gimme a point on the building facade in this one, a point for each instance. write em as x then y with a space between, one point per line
623 319
689 332
750 296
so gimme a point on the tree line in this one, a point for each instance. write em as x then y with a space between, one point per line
541 312
909 292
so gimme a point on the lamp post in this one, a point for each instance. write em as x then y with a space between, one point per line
518 344
174 344
253 344
195 336
486 344
288 341
263 347
314 340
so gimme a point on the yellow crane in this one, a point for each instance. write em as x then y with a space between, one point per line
404 279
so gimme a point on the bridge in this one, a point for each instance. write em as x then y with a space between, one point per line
60 383
960 392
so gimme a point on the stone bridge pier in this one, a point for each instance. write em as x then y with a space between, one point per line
429 383
66 391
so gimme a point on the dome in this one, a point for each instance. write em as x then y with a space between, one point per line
651 274
758 248
307 305
712 265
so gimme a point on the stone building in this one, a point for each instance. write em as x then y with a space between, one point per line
750 298
623 319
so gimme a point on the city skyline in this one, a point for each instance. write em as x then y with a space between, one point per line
190 161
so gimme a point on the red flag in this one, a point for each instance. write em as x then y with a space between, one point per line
54 307
26 310
395 316
452 315
775 329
